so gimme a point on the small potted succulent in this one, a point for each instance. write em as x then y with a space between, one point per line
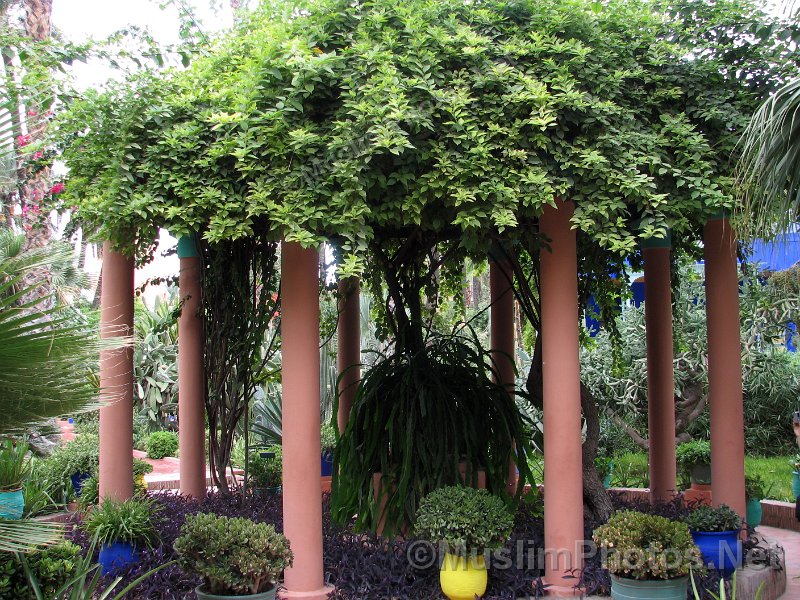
694 459
755 490
234 556
648 556
266 470
327 444
15 466
795 464
465 522
715 530
121 528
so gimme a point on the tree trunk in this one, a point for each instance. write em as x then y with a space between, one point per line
38 18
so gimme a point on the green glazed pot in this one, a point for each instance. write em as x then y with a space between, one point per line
12 505
635 589
268 595
753 514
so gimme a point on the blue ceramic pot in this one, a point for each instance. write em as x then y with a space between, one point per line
116 556
796 483
635 589
12 505
326 462
720 548
77 480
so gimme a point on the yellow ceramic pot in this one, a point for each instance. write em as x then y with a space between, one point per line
463 578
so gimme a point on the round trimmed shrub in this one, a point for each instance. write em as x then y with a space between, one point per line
161 444
466 519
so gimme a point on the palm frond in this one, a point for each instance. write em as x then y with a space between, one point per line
27 535
769 170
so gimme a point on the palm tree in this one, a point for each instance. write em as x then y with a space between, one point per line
47 359
770 163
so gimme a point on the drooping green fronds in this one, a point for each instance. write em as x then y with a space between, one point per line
770 165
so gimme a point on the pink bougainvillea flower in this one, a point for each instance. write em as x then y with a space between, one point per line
23 140
38 155
57 189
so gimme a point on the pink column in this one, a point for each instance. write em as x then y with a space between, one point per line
191 376
660 375
349 347
116 377
724 365
302 499
563 476
502 336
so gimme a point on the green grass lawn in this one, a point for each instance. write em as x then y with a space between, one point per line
630 470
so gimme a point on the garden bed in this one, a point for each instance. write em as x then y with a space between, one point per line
363 566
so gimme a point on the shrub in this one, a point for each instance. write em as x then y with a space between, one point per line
232 555
327 436
267 471
603 464
126 521
161 444
467 520
635 545
15 465
714 518
81 455
52 567
755 488
90 491
690 454
795 463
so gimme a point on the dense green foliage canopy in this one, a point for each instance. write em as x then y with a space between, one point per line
354 120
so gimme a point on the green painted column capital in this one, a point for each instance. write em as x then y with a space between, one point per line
658 242
722 213
188 246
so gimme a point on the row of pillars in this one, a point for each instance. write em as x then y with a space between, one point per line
563 498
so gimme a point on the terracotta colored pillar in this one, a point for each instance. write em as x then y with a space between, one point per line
724 365
349 347
660 375
302 499
502 336
191 376
116 377
563 475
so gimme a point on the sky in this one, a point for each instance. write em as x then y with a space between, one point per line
79 20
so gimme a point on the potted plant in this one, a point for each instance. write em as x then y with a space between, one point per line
604 466
694 460
121 528
233 556
715 530
795 464
755 491
327 436
466 522
266 470
78 459
15 466
648 556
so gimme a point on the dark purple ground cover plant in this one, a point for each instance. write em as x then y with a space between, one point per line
366 567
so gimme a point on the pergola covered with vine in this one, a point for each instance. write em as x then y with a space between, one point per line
559 139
